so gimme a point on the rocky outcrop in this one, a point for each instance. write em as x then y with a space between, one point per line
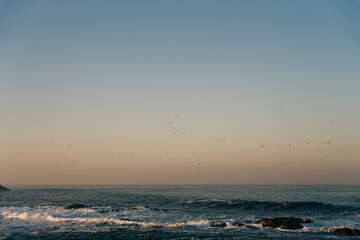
346 232
75 206
3 188
283 223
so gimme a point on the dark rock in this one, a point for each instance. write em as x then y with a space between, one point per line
283 222
217 224
115 210
75 206
342 231
238 224
4 188
308 221
291 225
356 232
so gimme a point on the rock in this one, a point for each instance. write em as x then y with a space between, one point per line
343 231
291 225
356 232
238 224
217 224
283 222
308 221
74 206
4 188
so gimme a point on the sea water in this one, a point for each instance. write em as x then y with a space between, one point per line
177 212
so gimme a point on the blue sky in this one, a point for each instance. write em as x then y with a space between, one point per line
71 71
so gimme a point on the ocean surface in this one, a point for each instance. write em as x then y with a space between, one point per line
176 212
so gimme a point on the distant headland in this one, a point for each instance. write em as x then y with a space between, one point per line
3 188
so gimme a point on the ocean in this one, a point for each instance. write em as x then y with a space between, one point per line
175 211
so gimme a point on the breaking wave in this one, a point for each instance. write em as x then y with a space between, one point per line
268 205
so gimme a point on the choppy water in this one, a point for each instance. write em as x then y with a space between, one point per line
180 212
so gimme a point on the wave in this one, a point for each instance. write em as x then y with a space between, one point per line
95 216
268 205
92 219
124 216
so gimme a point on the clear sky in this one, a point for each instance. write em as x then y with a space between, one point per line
179 92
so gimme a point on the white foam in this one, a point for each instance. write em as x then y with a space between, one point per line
202 223
141 216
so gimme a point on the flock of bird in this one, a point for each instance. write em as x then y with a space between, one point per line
172 126
180 134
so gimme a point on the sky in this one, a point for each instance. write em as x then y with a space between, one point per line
179 92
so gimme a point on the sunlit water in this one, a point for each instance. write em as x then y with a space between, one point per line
180 212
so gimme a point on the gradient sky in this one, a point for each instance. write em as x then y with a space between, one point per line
258 92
